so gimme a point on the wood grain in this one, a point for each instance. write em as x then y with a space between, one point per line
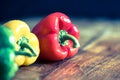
97 59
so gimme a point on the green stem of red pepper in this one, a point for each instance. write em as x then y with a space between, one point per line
64 36
23 43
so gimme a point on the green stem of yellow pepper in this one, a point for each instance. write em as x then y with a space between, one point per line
23 43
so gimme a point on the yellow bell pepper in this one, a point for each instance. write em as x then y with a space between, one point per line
22 33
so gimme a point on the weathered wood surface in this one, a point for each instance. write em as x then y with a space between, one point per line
97 59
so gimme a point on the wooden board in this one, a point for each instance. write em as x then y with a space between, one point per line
97 59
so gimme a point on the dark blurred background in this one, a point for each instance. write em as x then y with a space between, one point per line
12 9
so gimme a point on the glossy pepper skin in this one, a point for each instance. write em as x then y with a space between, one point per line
8 67
22 34
58 37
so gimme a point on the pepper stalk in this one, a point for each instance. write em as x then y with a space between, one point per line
64 37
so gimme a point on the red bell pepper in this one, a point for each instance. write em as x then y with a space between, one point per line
57 36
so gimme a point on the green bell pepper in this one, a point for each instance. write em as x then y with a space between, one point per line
8 67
